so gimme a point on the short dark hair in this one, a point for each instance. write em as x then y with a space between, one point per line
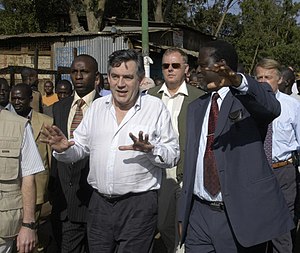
120 56
65 82
288 75
224 51
4 81
23 86
91 58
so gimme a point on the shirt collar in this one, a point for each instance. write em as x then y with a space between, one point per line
10 108
182 90
109 98
222 92
29 116
277 94
88 98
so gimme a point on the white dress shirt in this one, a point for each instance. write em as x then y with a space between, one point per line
174 104
10 108
119 172
199 189
296 96
286 128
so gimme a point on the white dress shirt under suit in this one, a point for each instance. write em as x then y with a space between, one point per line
199 189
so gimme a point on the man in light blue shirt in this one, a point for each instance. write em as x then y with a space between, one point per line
285 140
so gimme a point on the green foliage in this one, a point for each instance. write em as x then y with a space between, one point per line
264 28
29 16
17 17
268 29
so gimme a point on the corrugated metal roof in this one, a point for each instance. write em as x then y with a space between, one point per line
120 30
100 48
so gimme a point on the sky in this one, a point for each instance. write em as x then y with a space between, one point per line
235 8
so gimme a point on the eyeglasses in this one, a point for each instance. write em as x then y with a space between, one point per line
174 65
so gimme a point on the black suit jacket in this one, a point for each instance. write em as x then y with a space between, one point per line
194 93
68 188
256 208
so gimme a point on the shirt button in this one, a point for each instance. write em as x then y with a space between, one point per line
70 184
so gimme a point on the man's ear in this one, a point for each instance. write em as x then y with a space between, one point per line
186 70
142 80
97 80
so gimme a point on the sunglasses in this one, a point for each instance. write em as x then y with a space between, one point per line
174 65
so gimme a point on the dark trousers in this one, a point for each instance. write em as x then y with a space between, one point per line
122 225
209 231
286 177
70 237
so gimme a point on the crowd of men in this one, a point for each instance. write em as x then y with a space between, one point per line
207 161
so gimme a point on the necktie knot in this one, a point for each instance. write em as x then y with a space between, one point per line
215 96
77 116
80 102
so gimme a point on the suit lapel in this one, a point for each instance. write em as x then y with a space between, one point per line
36 125
65 115
199 113
224 112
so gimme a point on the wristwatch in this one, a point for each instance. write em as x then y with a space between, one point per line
31 225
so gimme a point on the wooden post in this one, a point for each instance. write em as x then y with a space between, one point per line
36 58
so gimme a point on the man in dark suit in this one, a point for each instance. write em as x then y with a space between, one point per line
231 200
176 95
70 192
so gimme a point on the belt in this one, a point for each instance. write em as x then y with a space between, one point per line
214 205
115 198
282 163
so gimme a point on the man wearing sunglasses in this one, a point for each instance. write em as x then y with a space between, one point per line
176 95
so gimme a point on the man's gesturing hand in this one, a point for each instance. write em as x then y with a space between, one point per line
53 136
139 144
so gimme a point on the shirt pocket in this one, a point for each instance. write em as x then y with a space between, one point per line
9 158
283 132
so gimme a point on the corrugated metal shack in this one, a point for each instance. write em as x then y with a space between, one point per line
55 51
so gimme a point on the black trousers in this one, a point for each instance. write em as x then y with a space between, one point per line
209 230
122 225
70 237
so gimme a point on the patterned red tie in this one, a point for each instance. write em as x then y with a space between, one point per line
211 178
77 117
268 144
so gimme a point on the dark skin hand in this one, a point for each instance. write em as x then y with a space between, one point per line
226 76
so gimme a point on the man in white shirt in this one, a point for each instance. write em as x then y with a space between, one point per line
285 140
125 176
176 95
